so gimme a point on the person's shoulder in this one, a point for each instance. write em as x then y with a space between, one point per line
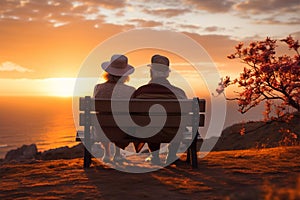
179 92
127 88
99 85
179 89
98 89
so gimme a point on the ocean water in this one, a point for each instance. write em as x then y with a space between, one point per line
48 122
45 121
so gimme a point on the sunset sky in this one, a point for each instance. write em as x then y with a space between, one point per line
44 43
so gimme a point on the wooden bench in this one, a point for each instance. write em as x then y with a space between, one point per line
186 112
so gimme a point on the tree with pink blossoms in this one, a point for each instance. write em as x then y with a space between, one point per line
266 76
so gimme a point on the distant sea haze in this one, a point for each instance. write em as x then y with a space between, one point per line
48 122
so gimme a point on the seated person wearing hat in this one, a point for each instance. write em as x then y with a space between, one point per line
160 88
117 73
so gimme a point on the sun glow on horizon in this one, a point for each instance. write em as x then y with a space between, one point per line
61 87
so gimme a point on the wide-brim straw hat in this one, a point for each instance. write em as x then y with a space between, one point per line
118 66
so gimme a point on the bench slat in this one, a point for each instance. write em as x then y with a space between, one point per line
139 105
142 120
187 136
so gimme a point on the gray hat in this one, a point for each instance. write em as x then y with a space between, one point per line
118 66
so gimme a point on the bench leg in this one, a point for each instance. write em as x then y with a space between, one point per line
188 155
194 154
87 158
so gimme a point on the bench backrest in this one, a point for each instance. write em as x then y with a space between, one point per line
175 111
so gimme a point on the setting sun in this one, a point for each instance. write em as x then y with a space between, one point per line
61 87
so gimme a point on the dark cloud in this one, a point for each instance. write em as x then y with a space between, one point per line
120 13
189 26
270 12
167 12
274 21
56 10
267 6
144 23
214 6
213 29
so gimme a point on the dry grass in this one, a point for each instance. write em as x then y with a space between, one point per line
245 174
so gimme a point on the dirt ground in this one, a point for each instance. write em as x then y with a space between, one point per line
242 174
